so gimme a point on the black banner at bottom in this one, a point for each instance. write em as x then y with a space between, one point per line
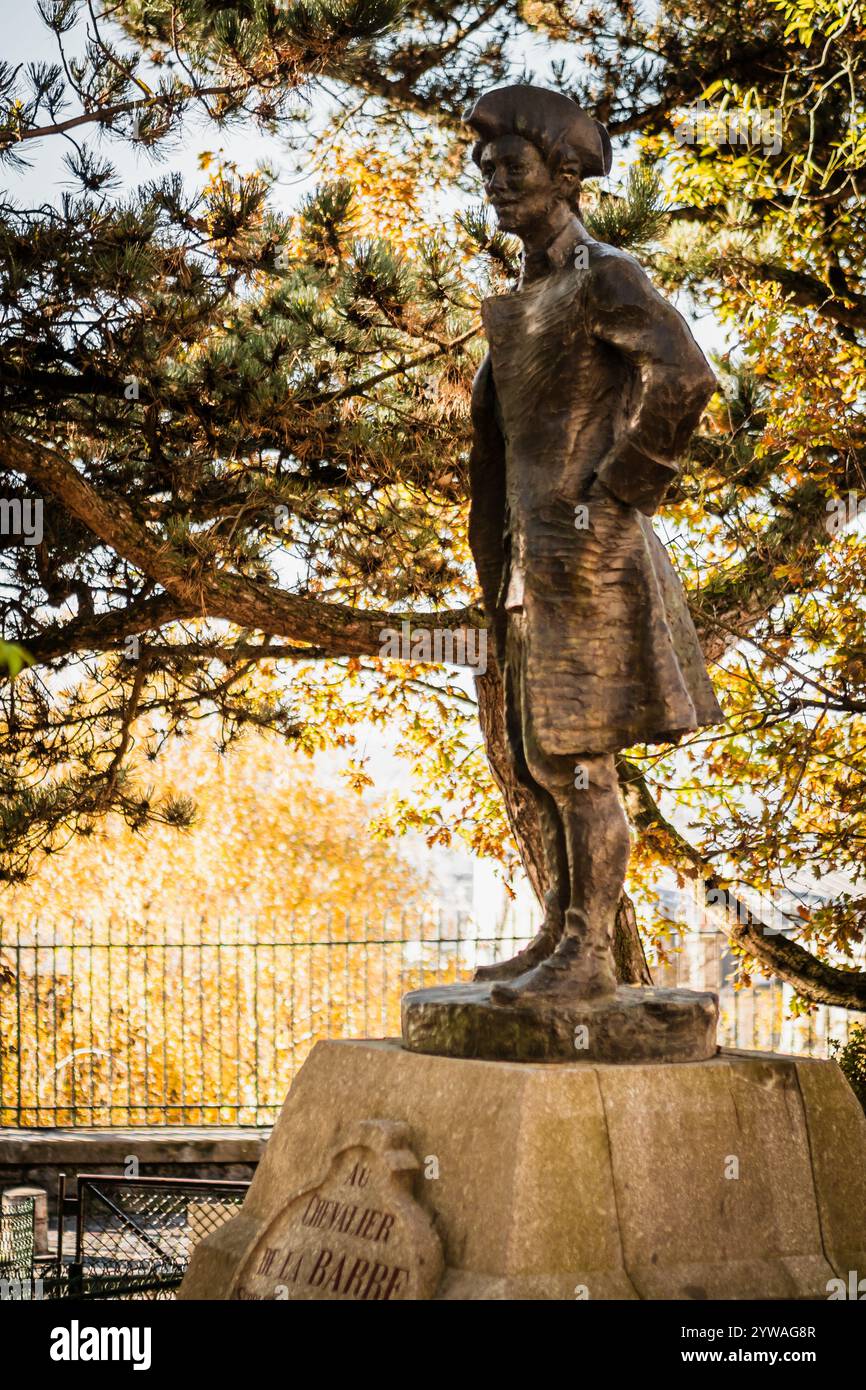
67 1339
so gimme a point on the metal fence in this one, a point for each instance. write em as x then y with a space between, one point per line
133 1237
162 1025
139 1220
201 1025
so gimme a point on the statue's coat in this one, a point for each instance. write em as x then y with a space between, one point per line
590 392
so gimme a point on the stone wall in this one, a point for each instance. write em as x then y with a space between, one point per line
37 1156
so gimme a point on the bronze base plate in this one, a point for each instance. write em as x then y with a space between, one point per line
636 1025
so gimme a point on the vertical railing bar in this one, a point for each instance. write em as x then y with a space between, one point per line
37 1099
19 1050
81 1188
108 966
90 1022
365 939
346 1031
127 955
256 1017
146 949
72 1008
183 1018
329 1010
164 947
61 1190
402 984
274 1012
238 1084
54 1008
292 960
439 941
201 1027
383 1006
219 996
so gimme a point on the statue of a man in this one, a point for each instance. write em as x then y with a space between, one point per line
590 392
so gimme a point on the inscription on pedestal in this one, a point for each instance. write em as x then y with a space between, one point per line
359 1235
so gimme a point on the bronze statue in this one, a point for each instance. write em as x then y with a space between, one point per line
590 392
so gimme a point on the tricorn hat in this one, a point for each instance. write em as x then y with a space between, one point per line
548 119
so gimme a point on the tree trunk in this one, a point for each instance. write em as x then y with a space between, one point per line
631 965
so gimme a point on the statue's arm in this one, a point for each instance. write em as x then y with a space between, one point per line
487 489
673 380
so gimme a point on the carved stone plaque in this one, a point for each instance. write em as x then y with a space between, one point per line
358 1235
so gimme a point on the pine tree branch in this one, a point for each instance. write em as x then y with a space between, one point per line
228 652
104 115
113 770
105 631
406 364
208 592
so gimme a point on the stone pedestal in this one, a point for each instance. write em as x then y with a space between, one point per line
743 1176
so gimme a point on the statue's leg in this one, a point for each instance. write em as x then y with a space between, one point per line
555 900
555 850
582 966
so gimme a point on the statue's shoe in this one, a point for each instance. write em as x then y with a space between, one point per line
533 954
571 974
542 946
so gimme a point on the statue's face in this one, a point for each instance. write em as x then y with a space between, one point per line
518 183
